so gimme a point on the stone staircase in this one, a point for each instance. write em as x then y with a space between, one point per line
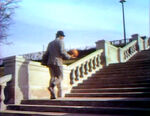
121 89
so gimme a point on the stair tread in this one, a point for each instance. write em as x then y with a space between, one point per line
116 88
49 113
75 107
83 107
115 93
92 99
34 113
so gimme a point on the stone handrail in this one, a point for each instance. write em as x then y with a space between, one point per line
129 50
3 83
114 54
84 66
81 70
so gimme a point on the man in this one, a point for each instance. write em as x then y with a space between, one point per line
55 54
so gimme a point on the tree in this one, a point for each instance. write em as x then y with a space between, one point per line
7 8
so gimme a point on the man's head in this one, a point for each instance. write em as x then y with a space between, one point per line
60 34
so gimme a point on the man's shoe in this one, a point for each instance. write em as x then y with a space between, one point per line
53 97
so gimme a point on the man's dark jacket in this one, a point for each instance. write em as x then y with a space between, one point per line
56 53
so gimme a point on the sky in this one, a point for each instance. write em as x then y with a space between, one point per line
83 21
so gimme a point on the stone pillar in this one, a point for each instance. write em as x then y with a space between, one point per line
101 44
68 80
110 54
120 55
146 42
17 88
140 41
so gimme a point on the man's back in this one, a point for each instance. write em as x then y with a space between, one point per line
56 52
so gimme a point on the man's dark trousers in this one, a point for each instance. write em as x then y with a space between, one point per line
56 73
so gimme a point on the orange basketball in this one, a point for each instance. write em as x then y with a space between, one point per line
75 52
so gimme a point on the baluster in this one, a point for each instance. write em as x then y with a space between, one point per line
86 68
128 52
72 76
91 62
94 63
90 66
77 74
2 105
98 60
132 49
125 55
82 71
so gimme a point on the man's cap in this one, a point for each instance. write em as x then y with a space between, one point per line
60 33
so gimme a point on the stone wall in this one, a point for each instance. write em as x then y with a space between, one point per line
29 80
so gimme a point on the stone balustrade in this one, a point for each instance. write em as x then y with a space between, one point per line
81 70
84 66
113 54
128 51
3 83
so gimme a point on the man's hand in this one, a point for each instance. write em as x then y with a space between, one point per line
73 57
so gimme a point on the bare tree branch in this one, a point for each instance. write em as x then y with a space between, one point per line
7 9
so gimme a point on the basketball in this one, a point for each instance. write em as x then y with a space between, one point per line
75 52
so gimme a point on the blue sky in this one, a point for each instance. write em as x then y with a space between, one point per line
83 21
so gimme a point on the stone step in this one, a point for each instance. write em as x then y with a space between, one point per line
29 113
147 66
126 102
123 74
139 62
99 77
115 81
84 86
125 94
105 90
141 77
121 67
115 78
136 63
118 71
125 65
81 109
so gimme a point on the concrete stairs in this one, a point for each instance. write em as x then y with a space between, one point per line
117 90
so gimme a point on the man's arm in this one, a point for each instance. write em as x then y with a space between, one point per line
63 52
45 57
